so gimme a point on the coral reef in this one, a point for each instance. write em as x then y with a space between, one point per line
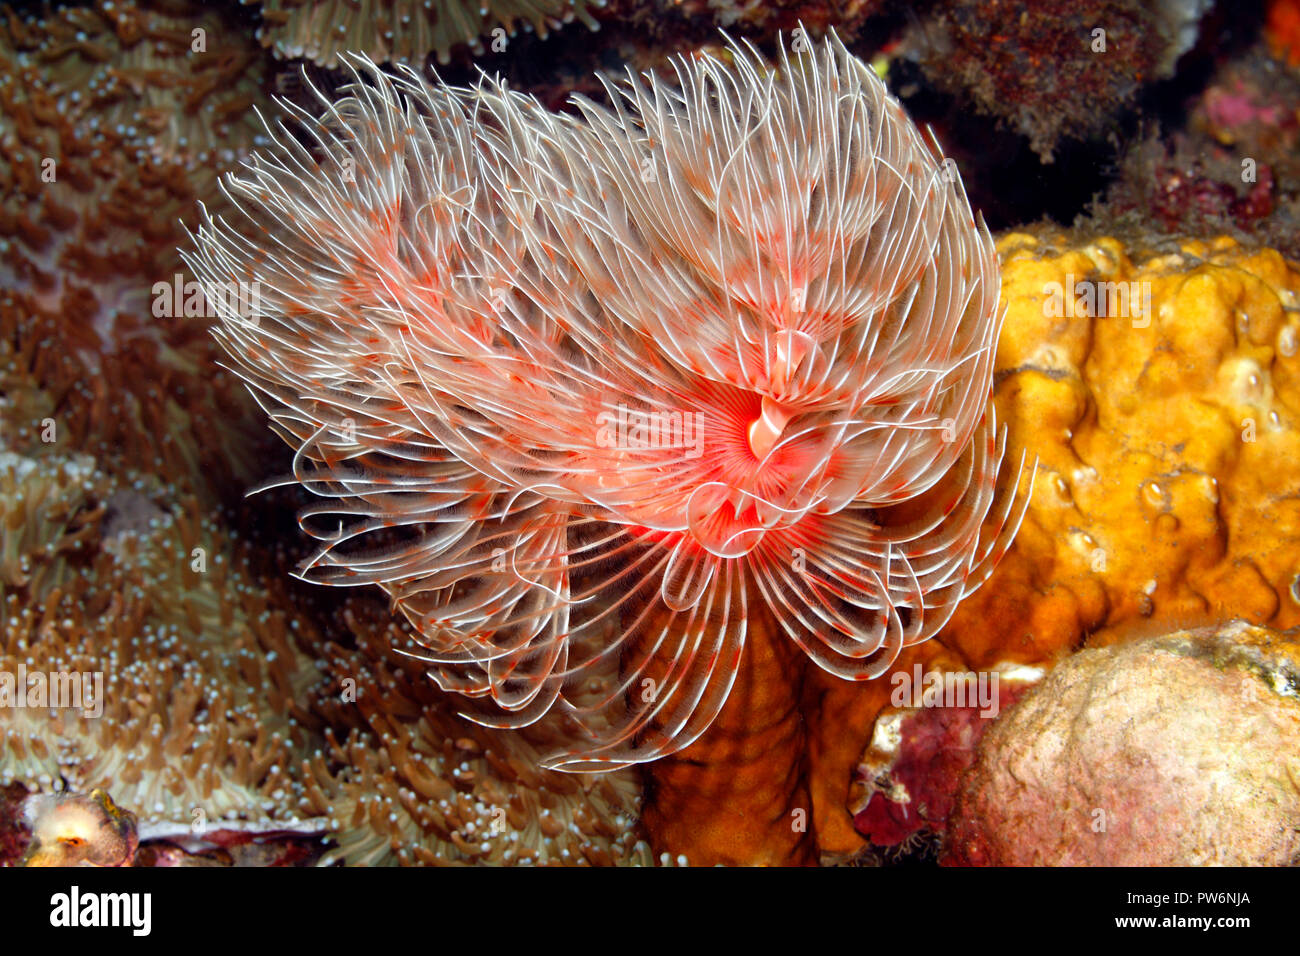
1052 69
1161 399
95 186
119 441
1234 168
1180 750
121 438
192 672
176 79
406 30
921 747
251 720
421 785
209 714
1161 395
815 321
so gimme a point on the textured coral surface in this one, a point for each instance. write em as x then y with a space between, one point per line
1181 750
119 441
1050 69
1165 437
922 746
1166 491
407 29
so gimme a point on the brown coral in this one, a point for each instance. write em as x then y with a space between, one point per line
1055 68
406 30
206 690
173 77
93 195
191 708
420 785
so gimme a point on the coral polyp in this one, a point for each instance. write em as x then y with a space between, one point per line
605 387
325 30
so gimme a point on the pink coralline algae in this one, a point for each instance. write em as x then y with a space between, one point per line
1177 750
908 780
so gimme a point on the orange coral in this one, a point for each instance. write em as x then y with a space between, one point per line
739 794
1166 431
1163 437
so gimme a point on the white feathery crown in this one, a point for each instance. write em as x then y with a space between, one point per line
591 391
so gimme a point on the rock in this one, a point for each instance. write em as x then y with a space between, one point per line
1177 750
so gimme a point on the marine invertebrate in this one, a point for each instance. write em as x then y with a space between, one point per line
74 829
175 672
1203 773
1162 399
93 193
1054 69
406 781
405 30
46 516
706 368
176 78
922 744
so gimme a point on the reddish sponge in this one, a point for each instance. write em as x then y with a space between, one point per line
907 781
1283 30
